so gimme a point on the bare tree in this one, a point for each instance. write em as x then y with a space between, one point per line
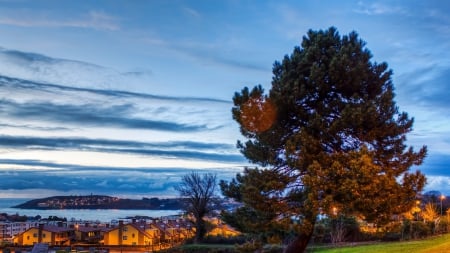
199 192
338 230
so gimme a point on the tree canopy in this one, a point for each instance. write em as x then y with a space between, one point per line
328 137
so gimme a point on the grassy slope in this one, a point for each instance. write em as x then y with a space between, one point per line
439 244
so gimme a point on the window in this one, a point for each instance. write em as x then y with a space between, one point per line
35 235
124 237
125 229
132 235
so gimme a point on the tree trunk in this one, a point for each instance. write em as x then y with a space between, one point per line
200 230
298 245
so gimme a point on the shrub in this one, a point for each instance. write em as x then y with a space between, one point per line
337 230
218 239
392 236
249 247
421 229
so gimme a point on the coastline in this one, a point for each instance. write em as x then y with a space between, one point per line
96 202
102 215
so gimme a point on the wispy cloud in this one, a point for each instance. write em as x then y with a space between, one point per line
292 22
182 149
210 53
41 68
378 8
439 183
21 85
191 12
425 90
92 20
34 127
86 114
75 108
102 139
438 21
212 56
107 180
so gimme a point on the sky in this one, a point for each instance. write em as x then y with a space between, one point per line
125 97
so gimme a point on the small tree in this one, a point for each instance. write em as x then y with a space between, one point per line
199 192
431 216
337 229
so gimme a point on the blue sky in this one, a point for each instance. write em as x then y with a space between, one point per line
124 97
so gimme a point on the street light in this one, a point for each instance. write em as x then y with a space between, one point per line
334 210
442 197
417 209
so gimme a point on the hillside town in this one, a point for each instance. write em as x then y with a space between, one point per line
82 201
101 202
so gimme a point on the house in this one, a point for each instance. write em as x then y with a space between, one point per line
155 234
50 234
221 229
179 230
132 234
8 230
89 234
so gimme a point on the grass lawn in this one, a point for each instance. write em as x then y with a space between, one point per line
440 244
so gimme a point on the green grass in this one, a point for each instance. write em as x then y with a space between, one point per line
440 244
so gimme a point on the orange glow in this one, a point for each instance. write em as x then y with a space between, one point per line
335 210
258 114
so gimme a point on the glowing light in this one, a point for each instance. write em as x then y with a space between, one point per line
258 114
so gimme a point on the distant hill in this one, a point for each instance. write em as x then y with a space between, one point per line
101 202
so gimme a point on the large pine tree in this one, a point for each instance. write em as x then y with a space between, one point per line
328 138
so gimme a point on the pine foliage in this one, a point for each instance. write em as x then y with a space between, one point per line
327 136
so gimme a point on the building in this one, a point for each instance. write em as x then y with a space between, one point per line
155 234
151 234
178 230
89 234
8 229
132 234
50 234
221 229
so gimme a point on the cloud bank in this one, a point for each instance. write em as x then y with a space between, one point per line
83 137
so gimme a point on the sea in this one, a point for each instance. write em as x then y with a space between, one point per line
101 215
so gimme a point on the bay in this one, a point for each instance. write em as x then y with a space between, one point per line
102 215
